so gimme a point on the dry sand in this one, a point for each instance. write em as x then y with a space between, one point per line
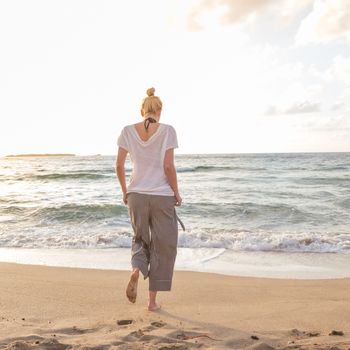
62 308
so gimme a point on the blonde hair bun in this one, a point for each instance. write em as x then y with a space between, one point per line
151 104
150 91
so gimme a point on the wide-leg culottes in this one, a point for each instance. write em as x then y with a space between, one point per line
154 244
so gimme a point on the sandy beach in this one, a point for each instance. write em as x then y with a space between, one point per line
44 307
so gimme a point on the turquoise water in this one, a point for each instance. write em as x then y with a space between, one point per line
241 202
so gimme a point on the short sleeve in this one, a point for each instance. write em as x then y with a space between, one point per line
171 139
122 140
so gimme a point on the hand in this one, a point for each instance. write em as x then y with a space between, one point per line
178 199
125 199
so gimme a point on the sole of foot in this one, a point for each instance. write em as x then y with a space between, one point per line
131 289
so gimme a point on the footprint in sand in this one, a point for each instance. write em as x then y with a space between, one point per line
43 344
158 324
154 325
124 322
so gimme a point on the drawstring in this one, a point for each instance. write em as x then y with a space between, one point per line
149 120
179 220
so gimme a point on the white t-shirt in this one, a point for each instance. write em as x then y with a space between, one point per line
148 174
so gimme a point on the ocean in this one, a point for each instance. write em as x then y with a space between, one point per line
273 215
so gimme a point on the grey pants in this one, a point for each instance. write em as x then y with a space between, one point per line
153 219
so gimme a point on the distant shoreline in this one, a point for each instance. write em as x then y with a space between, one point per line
40 155
177 154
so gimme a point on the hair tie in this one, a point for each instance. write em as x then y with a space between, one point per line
149 120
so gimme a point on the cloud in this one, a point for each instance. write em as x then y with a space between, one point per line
235 11
303 107
296 108
328 20
341 69
337 106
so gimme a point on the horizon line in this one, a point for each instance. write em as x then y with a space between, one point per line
200 153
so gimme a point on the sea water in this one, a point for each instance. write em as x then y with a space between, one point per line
274 215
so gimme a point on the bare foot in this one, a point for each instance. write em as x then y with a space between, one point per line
131 289
154 307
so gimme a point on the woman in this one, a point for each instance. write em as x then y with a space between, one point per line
150 196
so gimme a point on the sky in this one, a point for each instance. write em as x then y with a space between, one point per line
234 76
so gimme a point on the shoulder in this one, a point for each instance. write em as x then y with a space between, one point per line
127 128
169 127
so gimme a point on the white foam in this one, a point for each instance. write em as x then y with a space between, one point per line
87 236
267 241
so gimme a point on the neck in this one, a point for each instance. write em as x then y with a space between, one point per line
150 115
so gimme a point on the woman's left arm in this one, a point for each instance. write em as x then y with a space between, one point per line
120 169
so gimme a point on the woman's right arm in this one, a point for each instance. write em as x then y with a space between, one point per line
122 153
170 172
